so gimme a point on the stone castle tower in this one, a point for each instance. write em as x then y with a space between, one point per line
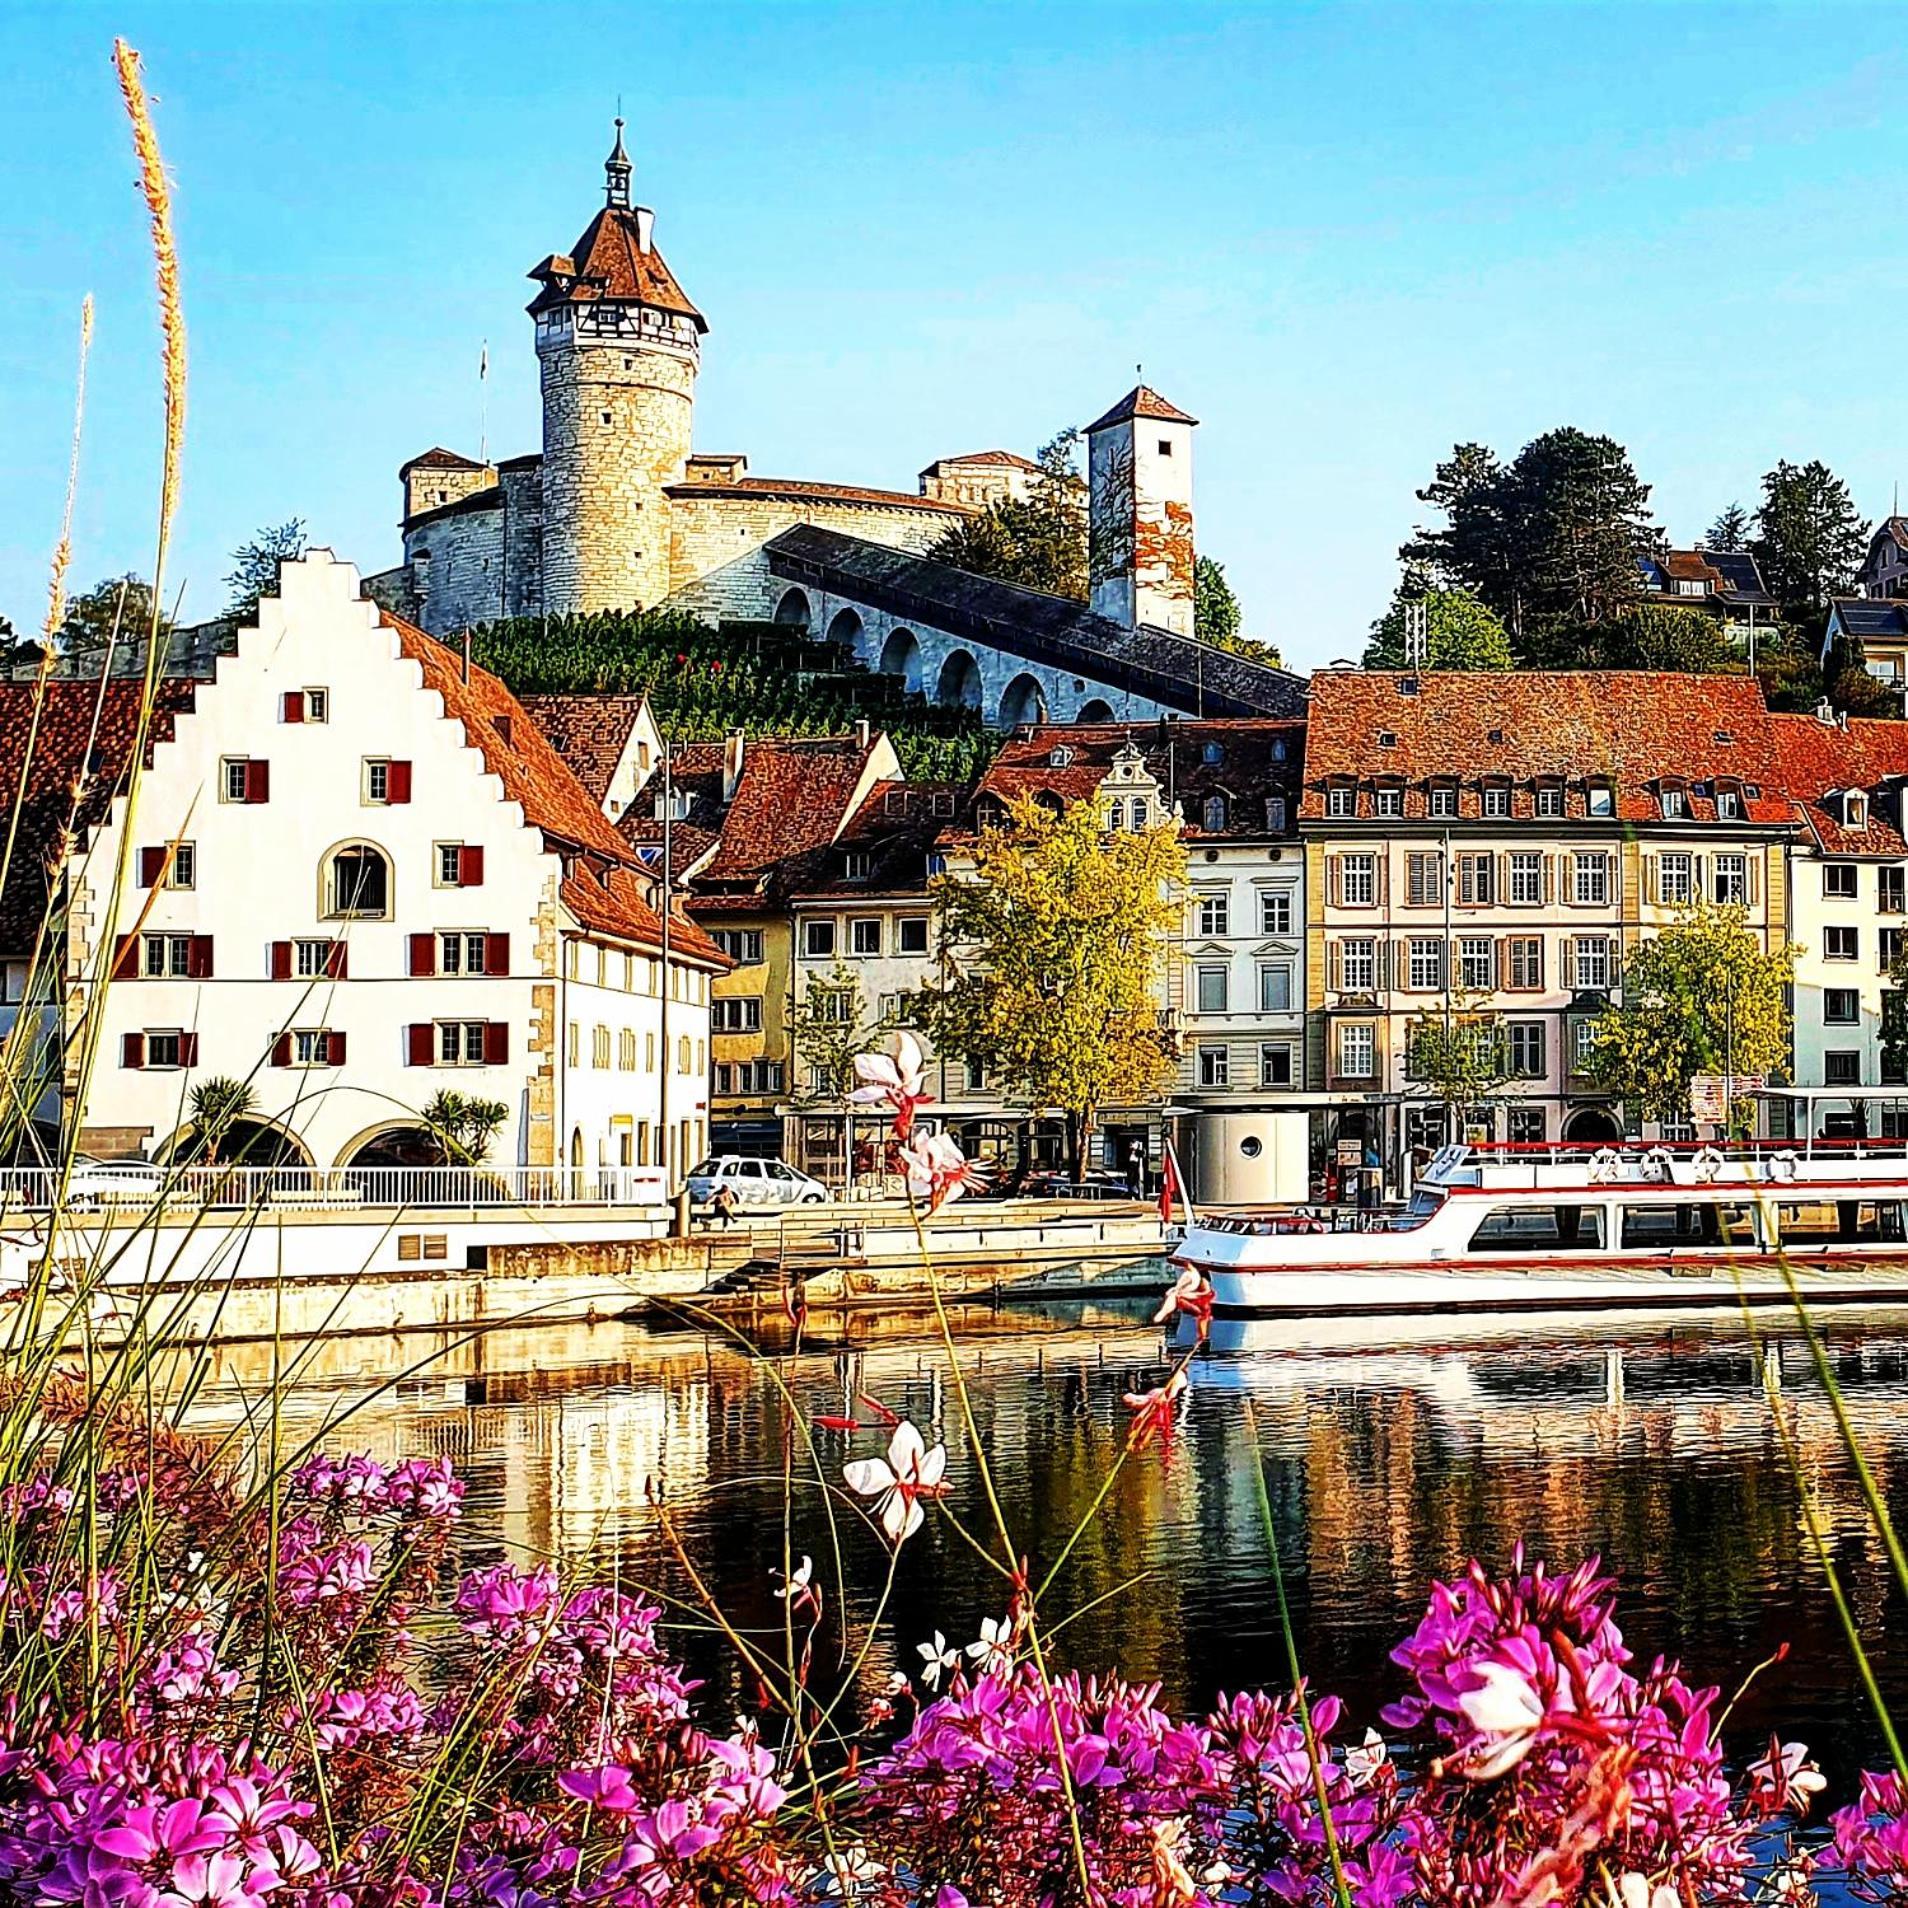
618 344
1139 482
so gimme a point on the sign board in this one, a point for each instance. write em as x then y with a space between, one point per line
1710 1094
1351 1152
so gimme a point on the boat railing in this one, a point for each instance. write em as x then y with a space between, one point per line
1537 1166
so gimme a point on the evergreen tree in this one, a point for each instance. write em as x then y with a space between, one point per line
1665 636
1038 541
1216 613
1730 531
1810 539
1459 632
255 571
116 610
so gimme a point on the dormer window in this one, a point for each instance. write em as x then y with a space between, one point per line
1496 800
1275 814
1212 754
857 864
1278 748
1728 804
1387 800
1387 738
1115 817
1059 756
1549 800
1213 815
1442 800
1341 800
1675 802
1855 809
1599 800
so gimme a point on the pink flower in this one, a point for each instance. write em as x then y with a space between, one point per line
1189 1294
607 1788
1506 1712
897 1483
938 1171
894 1078
1786 1778
1154 1411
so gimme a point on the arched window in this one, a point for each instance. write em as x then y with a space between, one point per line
1213 815
357 884
1116 817
1051 803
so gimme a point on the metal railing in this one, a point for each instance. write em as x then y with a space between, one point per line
133 1184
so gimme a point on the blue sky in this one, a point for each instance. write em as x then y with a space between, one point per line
1344 237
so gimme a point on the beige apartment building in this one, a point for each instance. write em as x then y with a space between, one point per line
1492 847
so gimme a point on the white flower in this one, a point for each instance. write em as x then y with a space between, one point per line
1789 1885
849 1868
1364 1762
939 1657
797 1587
898 1684
1788 1776
1635 1891
995 1650
939 1171
898 1482
1504 1707
894 1077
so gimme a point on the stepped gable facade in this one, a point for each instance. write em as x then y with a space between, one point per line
617 511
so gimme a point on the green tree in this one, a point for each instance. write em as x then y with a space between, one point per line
1060 935
461 1126
117 610
218 1105
1459 632
1810 539
829 1026
1730 531
1703 996
1460 1056
1038 541
255 571
1550 541
1216 612
1665 636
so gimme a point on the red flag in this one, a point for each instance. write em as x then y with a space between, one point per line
1168 1187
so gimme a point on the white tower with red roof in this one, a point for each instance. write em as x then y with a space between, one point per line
618 342
1139 476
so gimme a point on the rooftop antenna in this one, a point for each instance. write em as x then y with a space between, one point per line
1414 635
483 403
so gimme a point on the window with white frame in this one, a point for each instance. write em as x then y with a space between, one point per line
1358 881
1215 1068
1387 800
818 939
1731 881
1357 1051
1341 800
1424 964
1275 987
1275 911
1841 944
1599 800
1215 916
742 945
1591 963
311 960
1525 1047
911 934
1358 965
1891 889
1590 880
1210 989
1477 963
1675 879
1583 1043
1496 800
460 952
1728 804
1524 885
1441 800
460 1043
166 957
1549 801
735 1013
1841 1007
1675 804
1839 880
1275 1064
864 935
311 1047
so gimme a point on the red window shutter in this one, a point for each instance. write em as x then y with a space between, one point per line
152 867
397 786
496 953
199 957
281 967
421 1043
294 705
132 1050
496 1042
188 1050
258 781
126 958
470 867
334 1048
281 1050
335 961
423 954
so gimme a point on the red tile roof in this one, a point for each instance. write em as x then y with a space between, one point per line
1142 401
800 490
81 753
794 795
615 904
1820 761
609 261
437 458
1632 729
896 828
1011 460
515 750
589 732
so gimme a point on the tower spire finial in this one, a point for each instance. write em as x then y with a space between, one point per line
617 170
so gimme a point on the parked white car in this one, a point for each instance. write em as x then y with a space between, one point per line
756 1182
98 1182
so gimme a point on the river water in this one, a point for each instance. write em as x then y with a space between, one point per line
1393 1450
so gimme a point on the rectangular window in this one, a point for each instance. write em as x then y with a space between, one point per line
183 869
1387 801
1550 800
1841 944
1590 880
974 1073
311 1047
1728 804
1732 881
1341 801
1357 1052
1442 800
1358 966
377 783
1275 911
1675 880
1275 987
1675 805
13 982
1275 814
626 1051
1497 800
818 939
1592 965
460 953
1524 962
600 1047
1215 916
1275 1065
1841 1068
1583 1043
243 778
742 945
1358 881
857 864
1477 964
1841 1007
864 934
1214 1067
1424 964
167 957
1598 800
1526 1126
460 1043
1889 944
1424 881
311 960
1211 989
1526 1048
911 934
165 1048
736 1013
459 865
1526 883
1839 880
1891 889
1477 881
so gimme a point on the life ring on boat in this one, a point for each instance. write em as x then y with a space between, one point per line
1783 1165
1707 1163
1658 1166
1603 1165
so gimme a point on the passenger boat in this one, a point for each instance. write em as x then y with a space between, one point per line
1560 1227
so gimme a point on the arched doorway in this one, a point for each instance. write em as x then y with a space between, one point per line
845 631
252 1158
355 883
960 683
1592 1126
1024 701
792 611
1095 709
901 656
395 1146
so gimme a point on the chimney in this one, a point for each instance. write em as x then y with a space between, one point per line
863 734
1825 712
732 746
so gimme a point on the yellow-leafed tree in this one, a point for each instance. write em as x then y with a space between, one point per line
1057 941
